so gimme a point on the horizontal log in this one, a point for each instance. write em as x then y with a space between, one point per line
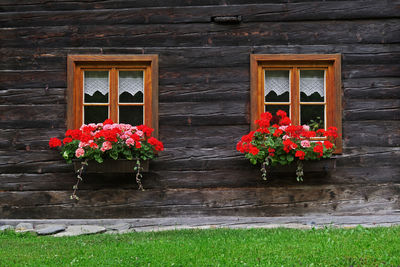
377 88
197 57
198 179
41 5
35 112
173 76
323 32
32 79
190 14
34 96
267 201
185 158
28 139
373 133
377 109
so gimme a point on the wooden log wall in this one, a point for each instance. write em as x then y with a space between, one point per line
204 105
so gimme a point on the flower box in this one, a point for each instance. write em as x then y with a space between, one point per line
112 166
316 166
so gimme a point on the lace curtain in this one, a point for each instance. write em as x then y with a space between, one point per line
312 81
276 81
96 81
131 82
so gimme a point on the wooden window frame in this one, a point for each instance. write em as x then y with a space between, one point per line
330 62
77 63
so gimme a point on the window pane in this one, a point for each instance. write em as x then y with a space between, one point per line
312 84
131 114
96 86
277 86
274 108
131 86
313 115
95 114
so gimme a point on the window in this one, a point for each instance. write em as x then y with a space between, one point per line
307 87
121 87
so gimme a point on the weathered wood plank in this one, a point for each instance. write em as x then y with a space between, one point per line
376 109
373 133
171 76
35 112
249 13
339 32
271 201
32 79
32 96
228 56
367 88
197 179
42 5
187 159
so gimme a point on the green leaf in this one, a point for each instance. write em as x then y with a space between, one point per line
114 155
98 158
289 158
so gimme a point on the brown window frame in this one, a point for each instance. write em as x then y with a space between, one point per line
329 62
76 64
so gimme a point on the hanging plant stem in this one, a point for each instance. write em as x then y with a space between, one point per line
299 171
79 172
265 169
138 168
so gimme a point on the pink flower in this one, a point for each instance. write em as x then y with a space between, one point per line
106 146
83 144
283 128
306 127
107 127
130 142
285 137
305 143
79 152
139 133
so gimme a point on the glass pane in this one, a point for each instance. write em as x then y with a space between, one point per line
96 86
95 114
312 84
274 108
313 115
277 86
131 114
131 87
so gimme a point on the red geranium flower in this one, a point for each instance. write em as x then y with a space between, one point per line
108 121
67 140
300 154
54 142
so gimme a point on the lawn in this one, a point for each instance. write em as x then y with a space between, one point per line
216 247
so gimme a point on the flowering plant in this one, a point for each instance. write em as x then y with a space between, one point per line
277 141
108 140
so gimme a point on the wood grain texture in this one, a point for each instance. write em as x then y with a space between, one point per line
246 201
200 12
307 33
204 105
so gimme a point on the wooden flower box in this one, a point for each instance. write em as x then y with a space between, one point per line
321 166
111 166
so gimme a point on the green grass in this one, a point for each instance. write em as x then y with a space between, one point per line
219 247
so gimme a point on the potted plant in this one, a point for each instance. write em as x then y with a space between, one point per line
93 146
278 142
